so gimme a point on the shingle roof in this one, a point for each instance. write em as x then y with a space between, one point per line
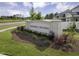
75 7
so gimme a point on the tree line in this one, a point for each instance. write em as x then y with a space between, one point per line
10 18
38 15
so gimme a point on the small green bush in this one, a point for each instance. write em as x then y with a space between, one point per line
71 28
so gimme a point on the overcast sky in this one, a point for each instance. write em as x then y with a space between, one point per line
11 8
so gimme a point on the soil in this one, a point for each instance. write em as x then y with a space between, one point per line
21 37
40 44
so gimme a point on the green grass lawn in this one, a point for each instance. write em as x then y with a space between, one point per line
16 48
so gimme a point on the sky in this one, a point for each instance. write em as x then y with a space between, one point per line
11 8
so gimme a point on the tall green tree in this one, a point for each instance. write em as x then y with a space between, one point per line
34 15
51 16
56 15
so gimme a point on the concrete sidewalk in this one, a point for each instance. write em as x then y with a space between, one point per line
2 24
2 55
8 29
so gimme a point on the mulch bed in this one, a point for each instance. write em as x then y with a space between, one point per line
76 48
21 37
40 44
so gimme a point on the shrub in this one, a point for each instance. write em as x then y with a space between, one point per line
22 28
72 28
63 39
18 28
77 30
30 32
51 36
42 42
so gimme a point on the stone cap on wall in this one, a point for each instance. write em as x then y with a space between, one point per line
47 20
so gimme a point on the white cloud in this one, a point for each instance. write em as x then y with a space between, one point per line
60 7
10 12
27 4
3 12
26 14
13 12
53 3
35 4
12 3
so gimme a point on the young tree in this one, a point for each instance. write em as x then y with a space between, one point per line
32 14
38 16
56 15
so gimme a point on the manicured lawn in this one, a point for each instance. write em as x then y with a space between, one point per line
16 48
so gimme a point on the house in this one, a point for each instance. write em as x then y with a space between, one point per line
75 13
70 15
65 16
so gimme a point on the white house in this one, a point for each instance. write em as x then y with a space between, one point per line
69 15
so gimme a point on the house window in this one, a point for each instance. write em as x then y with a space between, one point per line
63 19
63 15
76 19
78 13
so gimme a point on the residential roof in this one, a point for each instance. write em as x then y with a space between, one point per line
75 7
66 11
